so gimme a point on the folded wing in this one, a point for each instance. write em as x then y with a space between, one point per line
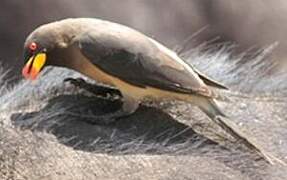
138 60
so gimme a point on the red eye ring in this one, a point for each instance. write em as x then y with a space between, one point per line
33 46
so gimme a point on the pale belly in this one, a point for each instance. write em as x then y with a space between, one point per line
127 89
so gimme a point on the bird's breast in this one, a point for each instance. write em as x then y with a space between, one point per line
139 93
95 73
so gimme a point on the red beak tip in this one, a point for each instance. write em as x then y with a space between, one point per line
30 75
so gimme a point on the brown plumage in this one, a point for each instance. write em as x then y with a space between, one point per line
116 55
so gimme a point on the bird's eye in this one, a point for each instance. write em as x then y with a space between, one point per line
33 46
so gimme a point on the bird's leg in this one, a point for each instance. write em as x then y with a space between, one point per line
94 88
129 106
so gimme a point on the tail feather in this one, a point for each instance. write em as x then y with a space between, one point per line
211 109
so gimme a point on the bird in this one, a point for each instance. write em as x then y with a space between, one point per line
119 56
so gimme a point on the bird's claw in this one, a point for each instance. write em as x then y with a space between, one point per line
77 82
95 89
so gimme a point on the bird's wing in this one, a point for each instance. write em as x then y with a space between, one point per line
209 81
136 59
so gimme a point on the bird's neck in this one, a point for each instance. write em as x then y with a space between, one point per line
72 58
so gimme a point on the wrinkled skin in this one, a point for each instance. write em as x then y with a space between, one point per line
44 135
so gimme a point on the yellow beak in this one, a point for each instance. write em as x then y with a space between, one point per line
34 66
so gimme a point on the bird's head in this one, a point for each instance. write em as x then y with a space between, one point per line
35 57
39 48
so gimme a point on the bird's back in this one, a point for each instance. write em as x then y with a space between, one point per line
134 57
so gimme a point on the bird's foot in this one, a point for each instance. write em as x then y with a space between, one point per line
95 89
128 107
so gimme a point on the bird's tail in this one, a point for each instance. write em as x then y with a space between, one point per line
211 109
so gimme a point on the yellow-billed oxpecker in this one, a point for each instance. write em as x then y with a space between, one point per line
116 55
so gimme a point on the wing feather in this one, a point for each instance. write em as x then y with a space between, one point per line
135 59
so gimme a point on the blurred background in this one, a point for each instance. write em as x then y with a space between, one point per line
250 24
